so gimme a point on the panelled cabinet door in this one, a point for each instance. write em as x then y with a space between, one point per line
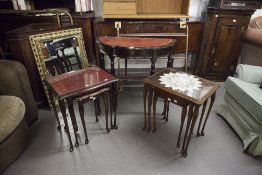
226 45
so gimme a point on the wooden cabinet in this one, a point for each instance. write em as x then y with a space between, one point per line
222 42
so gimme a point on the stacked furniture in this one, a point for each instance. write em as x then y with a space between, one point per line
17 110
242 108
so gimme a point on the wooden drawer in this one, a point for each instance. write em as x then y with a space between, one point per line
119 8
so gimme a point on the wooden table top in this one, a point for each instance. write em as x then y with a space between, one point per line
80 81
197 96
135 42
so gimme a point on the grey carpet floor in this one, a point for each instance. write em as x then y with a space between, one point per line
129 150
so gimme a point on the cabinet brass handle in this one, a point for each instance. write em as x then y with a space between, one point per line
243 28
213 50
215 64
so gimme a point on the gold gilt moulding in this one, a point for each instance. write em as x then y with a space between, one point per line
44 50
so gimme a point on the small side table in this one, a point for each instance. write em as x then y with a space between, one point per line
71 85
190 103
134 47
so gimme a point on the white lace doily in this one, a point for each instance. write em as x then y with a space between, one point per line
180 81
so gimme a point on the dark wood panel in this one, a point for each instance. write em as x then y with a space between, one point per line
19 48
107 28
222 42
85 21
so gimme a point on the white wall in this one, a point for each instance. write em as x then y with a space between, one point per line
257 13
98 7
197 7
195 10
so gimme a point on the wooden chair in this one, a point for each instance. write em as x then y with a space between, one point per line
60 47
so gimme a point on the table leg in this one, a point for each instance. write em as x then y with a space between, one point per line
153 61
73 118
112 59
154 111
195 115
201 118
170 61
111 106
54 108
213 97
150 95
167 111
102 60
115 103
63 111
96 110
189 118
145 98
105 98
98 106
183 117
125 68
164 109
82 116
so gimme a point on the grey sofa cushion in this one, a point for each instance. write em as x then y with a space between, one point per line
249 73
249 95
12 110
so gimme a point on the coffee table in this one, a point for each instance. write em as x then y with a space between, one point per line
190 103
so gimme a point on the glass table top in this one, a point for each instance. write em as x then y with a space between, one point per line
196 95
77 81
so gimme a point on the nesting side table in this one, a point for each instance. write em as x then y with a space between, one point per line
190 103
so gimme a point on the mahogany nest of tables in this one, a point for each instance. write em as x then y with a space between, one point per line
154 89
82 86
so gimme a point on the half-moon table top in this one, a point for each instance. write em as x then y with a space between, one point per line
135 42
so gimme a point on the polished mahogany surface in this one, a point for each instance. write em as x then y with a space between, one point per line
136 42
196 96
80 80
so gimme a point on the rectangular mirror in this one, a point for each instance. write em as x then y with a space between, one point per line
58 52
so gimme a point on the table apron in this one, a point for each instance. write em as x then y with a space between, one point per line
131 53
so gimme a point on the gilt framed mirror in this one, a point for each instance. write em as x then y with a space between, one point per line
58 52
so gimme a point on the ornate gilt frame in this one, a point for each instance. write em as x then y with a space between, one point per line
36 40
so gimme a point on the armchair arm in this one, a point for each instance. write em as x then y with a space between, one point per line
248 73
254 36
14 82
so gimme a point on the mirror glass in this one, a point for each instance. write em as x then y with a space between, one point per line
58 52
61 55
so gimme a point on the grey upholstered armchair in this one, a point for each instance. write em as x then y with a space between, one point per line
17 110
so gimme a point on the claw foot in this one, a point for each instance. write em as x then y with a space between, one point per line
58 128
71 149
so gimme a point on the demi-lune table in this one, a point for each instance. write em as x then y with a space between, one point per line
134 47
189 101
